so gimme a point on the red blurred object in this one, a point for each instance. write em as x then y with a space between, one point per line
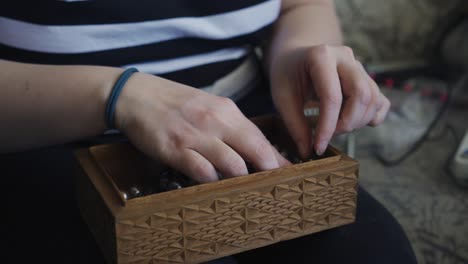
389 82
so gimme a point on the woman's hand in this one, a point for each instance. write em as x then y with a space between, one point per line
190 130
348 98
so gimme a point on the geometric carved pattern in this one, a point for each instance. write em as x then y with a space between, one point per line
229 224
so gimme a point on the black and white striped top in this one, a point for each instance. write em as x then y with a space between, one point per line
192 42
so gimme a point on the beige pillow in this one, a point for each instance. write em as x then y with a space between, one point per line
395 30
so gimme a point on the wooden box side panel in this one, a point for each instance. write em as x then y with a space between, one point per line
97 216
238 221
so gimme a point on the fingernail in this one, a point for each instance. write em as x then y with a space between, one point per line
270 164
320 149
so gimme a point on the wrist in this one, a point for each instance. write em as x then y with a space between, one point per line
107 79
114 96
128 108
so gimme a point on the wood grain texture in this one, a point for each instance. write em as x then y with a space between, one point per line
208 221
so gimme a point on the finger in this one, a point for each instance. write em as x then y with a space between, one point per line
381 113
282 161
223 157
376 102
323 72
357 92
247 140
290 107
195 166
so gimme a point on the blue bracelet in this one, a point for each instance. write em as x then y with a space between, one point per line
116 90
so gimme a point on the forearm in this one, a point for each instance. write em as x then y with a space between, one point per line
304 23
43 104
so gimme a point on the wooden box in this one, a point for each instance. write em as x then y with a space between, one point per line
208 221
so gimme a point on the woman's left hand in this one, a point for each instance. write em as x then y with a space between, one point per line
348 98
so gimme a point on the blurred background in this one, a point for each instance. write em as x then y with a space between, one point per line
415 164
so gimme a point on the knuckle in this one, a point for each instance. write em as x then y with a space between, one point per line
320 52
359 64
226 107
381 103
364 95
333 98
348 51
227 103
384 105
203 115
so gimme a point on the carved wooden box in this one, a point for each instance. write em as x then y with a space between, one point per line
208 221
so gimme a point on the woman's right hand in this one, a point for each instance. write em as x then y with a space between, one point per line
190 130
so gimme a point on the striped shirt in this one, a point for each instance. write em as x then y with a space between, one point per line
191 42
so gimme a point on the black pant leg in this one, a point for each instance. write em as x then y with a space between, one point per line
44 223
375 237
